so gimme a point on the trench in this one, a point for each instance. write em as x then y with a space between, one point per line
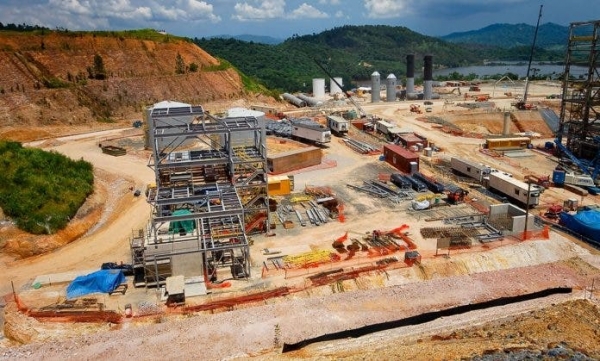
423 318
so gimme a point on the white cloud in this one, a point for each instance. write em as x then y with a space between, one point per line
259 10
330 2
306 11
379 9
339 14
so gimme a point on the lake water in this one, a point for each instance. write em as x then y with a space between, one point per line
517 68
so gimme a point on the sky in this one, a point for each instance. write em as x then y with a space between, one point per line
284 18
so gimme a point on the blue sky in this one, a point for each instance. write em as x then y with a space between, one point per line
284 18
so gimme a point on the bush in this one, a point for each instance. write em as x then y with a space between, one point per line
41 191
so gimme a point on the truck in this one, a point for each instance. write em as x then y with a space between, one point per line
338 125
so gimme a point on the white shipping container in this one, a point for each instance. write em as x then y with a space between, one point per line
317 134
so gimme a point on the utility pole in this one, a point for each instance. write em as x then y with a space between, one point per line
527 207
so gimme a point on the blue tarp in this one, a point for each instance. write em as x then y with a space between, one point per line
586 223
100 281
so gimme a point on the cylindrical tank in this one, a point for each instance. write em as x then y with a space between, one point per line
319 88
427 77
311 101
506 127
375 87
333 87
390 90
410 73
294 100
428 152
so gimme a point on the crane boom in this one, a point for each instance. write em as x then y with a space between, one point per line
524 102
361 111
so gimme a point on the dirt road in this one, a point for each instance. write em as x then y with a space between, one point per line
110 240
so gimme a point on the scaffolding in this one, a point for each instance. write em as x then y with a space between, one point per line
580 106
211 187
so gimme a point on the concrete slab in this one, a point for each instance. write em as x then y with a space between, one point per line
56 278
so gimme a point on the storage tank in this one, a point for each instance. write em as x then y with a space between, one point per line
319 88
390 88
333 87
375 87
410 73
427 77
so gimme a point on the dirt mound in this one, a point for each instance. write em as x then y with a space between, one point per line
46 83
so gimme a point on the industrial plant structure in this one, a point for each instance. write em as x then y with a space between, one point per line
580 104
210 192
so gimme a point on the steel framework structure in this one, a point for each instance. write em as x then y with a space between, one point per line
211 191
580 105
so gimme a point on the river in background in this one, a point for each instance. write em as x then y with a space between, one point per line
520 69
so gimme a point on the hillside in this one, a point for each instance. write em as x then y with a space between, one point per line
355 52
46 82
550 36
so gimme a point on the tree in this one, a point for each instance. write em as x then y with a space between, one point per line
193 67
99 72
179 64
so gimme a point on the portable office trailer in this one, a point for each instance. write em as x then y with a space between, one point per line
515 189
338 125
468 168
314 132
401 158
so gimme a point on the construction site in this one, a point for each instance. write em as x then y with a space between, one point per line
345 208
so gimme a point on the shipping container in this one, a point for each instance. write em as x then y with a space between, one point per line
507 143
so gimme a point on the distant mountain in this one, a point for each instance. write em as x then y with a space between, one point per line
252 38
355 52
550 36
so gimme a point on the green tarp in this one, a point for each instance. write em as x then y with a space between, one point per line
182 226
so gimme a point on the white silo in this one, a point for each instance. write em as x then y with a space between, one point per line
333 86
375 87
319 88
390 88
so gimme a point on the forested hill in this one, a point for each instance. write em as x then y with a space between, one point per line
550 36
353 53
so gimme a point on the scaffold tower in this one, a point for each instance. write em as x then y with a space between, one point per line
210 193
579 129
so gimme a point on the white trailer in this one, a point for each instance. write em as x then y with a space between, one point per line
312 132
468 168
383 127
515 189
338 125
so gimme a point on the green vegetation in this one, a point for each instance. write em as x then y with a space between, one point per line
353 52
41 191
